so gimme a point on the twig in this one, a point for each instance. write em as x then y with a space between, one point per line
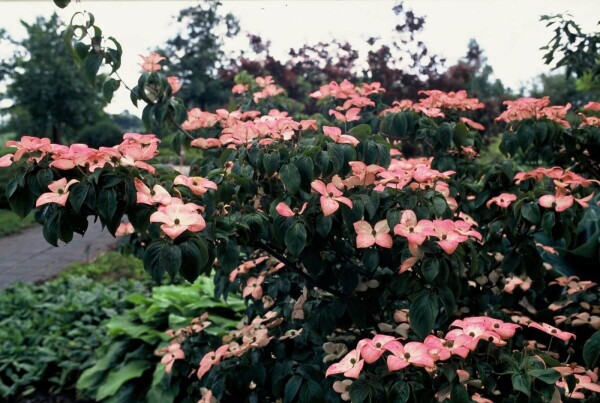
267 248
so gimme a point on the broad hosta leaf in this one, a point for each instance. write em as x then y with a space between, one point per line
117 378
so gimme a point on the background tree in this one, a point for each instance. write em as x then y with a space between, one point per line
196 54
577 51
50 94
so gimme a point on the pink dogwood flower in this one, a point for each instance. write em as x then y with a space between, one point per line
553 331
414 353
285 211
350 365
504 200
562 200
449 238
351 115
150 63
472 124
173 353
581 382
415 231
211 359
253 287
144 195
373 348
29 144
174 83
335 133
59 192
178 218
331 197
197 184
368 236
6 160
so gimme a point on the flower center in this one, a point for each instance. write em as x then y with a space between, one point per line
471 334
411 229
496 326
406 355
444 237
95 161
352 361
378 345
152 193
194 183
176 221
553 331
61 191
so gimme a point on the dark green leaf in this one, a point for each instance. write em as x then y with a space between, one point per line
423 311
44 178
291 388
290 177
109 87
522 383
153 262
430 269
107 203
591 351
531 212
62 3
194 258
549 375
400 124
170 259
77 195
91 65
295 238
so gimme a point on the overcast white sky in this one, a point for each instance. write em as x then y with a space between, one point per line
508 30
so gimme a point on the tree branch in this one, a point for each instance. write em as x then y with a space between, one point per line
267 248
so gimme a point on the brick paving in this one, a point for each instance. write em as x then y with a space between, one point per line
28 258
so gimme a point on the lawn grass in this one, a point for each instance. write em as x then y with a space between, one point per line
10 223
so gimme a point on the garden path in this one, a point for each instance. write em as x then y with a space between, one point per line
28 258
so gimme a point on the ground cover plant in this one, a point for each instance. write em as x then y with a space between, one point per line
49 332
379 260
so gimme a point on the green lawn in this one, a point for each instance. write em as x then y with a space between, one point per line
11 223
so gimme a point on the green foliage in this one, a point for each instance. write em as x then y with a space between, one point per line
10 223
109 267
128 367
196 53
49 333
572 48
103 133
42 72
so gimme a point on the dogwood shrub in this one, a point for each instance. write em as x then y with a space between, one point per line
379 258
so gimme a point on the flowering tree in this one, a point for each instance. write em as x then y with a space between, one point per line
380 260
